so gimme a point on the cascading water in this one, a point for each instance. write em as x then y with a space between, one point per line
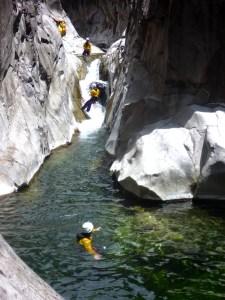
97 111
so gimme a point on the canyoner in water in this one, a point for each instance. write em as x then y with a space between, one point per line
84 238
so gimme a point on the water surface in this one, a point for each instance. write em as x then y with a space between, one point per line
171 252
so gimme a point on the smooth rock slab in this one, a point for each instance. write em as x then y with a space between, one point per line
179 158
18 281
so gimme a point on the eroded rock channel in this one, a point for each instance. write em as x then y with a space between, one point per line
165 116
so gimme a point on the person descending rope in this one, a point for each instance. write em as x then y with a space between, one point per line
101 85
87 47
85 239
95 93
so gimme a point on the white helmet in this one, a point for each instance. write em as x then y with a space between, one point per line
87 39
88 227
93 85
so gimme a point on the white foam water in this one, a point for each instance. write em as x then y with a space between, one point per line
97 111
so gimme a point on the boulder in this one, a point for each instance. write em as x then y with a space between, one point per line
179 158
18 281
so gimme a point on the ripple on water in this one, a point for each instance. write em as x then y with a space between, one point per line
175 252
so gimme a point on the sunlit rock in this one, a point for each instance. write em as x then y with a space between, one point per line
39 89
178 158
18 281
36 103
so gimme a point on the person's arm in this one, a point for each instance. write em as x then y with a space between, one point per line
97 229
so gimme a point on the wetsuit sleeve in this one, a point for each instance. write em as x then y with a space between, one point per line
87 244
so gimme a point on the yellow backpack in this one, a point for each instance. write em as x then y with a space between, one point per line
95 92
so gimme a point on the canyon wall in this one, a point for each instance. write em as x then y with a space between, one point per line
103 21
169 63
166 115
166 108
39 73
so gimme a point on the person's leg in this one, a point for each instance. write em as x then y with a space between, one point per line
87 105
86 52
90 102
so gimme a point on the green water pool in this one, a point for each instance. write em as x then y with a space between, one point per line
175 251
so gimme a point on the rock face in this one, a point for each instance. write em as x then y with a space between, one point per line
103 21
174 59
39 75
18 281
178 158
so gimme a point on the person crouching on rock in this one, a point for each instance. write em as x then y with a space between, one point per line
87 47
85 239
95 93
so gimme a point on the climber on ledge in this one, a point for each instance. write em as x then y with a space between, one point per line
85 239
95 93
61 25
87 47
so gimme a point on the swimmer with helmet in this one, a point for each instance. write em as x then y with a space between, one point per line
84 238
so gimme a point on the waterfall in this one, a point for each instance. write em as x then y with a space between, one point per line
97 111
